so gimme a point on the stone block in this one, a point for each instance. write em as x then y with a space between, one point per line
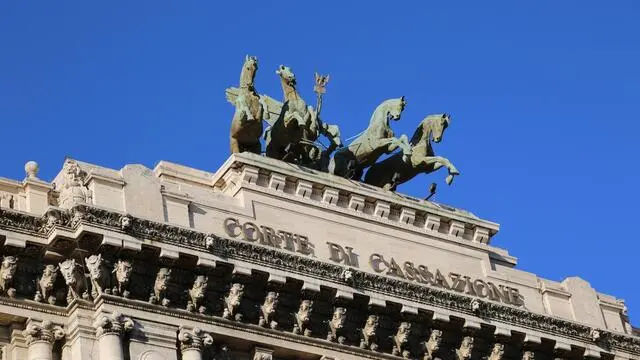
330 196
249 175
432 222
407 216
356 202
382 209
277 182
456 228
481 235
304 189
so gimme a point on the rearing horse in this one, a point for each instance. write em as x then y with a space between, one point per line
246 125
393 171
293 135
376 140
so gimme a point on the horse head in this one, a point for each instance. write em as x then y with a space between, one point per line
395 107
432 127
286 75
249 69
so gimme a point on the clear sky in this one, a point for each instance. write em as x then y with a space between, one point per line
543 95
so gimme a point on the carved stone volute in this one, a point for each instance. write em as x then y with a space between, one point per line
44 331
114 323
193 339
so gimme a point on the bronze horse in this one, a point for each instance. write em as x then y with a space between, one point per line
394 170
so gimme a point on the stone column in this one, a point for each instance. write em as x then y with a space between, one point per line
192 341
40 337
109 331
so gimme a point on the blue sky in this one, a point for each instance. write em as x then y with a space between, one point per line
543 95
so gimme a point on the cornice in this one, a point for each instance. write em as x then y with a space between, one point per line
227 248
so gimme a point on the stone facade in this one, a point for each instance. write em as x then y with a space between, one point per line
267 260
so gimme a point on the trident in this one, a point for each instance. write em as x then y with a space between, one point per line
320 89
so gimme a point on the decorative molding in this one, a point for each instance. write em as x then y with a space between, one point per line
273 258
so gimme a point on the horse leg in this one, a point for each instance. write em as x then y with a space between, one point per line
433 163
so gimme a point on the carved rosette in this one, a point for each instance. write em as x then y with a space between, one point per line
45 331
115 324
194 339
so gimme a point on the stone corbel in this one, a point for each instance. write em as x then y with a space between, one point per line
407 216
304 189
382 209
456 228
356 203
277 182
249 175
432 222
330 196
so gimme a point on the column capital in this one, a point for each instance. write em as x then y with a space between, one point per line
114 323
193 339
43 331
262 354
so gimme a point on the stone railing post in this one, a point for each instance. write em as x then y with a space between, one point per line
109 331
192 341
40 338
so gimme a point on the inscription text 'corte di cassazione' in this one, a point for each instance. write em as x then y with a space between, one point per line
456 282
266 235
420 273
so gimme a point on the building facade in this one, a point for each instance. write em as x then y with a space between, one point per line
267 260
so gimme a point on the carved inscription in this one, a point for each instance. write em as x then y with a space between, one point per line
266 235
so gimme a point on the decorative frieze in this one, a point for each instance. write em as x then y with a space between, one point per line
290 262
